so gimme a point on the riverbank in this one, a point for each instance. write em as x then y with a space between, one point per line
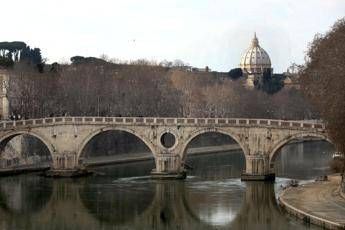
319 203
135 157
23 169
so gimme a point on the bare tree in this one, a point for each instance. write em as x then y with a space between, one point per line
323 81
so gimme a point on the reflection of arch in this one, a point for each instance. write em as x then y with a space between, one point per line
259 208
170 206
118 206
292 137
6 138
173 204
102 130
208 130
224 196
19 195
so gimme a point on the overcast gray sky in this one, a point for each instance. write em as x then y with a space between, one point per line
200 32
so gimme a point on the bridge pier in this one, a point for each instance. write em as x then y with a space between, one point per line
66 165
257 169
168 167
66 160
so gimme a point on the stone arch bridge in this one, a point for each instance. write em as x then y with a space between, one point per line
66 137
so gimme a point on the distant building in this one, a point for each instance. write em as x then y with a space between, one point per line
186 68
292 76
291 81
254 62
206 69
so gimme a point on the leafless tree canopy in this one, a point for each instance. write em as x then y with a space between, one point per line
108 89
323 80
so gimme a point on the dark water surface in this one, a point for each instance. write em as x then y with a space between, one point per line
212 197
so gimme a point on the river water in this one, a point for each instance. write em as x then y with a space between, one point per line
123 196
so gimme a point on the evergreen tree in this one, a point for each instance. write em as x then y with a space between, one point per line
11 52
235 73
269 83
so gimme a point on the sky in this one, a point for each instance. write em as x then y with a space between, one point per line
202 33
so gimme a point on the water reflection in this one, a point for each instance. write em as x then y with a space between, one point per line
124 199
151 205
23 194
259 209
216 203
117 203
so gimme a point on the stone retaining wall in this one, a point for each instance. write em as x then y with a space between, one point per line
307 217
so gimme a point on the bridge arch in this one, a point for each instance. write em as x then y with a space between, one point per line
9 136
199 132
105 129
289 138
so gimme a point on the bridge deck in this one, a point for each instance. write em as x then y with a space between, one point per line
163 121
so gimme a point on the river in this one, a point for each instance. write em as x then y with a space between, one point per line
123 196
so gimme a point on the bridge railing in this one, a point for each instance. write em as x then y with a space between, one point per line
163 121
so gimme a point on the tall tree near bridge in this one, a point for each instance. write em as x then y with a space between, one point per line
323 80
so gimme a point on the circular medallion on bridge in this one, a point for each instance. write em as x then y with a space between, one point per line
168 140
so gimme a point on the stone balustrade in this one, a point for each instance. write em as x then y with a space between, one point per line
165 121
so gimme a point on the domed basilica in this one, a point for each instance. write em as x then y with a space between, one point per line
254 62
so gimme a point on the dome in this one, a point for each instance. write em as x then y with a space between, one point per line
255 60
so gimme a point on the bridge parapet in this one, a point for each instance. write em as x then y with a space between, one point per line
169 121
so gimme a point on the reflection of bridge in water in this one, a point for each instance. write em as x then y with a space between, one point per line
259 139
160 205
